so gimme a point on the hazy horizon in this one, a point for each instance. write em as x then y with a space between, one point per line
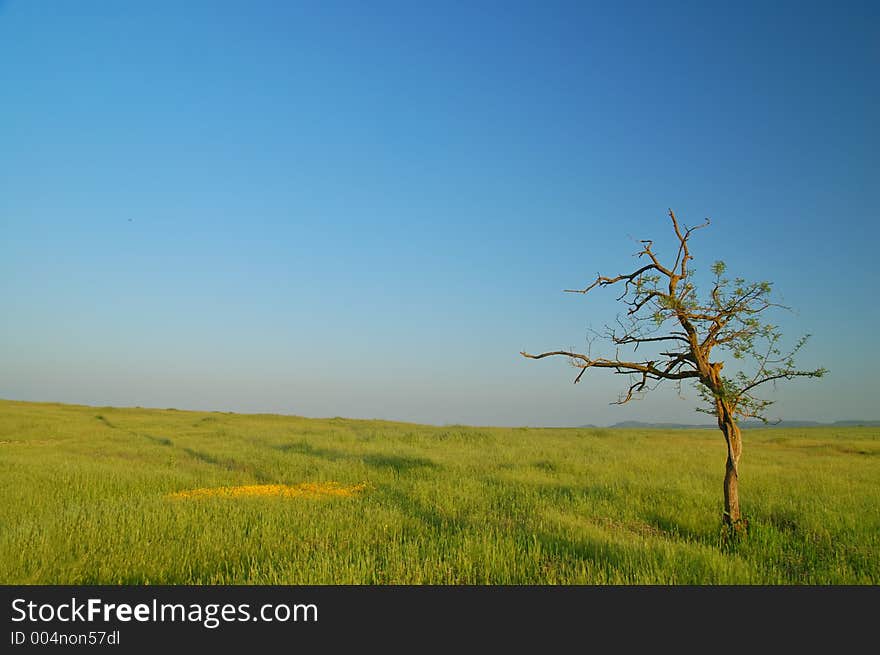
331 209
708 422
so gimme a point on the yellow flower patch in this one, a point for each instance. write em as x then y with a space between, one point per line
302 490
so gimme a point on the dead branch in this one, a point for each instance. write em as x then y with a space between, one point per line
647 367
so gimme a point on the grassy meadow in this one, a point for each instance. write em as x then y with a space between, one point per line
109 496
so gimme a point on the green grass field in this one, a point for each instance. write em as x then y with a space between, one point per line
85 500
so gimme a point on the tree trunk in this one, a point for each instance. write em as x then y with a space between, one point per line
733 437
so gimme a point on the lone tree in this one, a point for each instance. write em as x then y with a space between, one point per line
665 315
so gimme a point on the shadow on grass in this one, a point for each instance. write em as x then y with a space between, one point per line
398 463
667 525
559 546
204 421
568 493
620 562
430 516
783 521
162 441
105 421
303 448
228 464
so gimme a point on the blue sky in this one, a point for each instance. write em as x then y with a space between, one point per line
369 209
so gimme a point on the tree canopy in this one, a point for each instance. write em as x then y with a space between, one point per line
664 308
677 334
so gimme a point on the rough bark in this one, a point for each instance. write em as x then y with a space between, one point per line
733 438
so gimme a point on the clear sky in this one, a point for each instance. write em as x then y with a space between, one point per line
367 209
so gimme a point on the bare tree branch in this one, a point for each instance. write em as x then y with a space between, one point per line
603 281
647 367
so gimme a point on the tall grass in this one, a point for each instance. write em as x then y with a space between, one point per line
86 500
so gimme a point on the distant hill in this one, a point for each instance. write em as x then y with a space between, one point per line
640 425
